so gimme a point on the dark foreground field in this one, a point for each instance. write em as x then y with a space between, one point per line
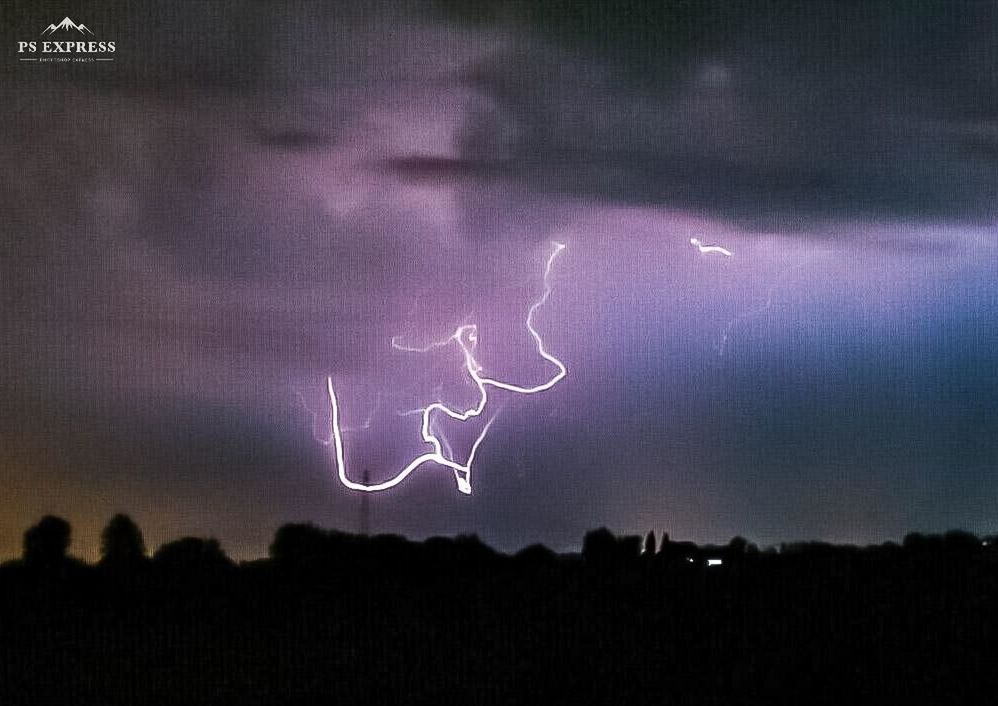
336 619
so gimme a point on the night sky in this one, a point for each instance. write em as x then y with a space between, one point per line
252 197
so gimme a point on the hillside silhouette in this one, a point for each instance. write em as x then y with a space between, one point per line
335 618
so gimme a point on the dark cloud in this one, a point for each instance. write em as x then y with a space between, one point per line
438 169
296 140
852 121
766 112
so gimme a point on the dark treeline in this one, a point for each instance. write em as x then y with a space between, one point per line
335 618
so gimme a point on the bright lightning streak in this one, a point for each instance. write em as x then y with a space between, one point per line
466 338
704 249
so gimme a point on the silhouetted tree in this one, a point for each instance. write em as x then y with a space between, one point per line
561 627
469 549
922 543
47 542
121 542
650 544
598 546
300 544
961 541
629 547
192 554
737 545
536 555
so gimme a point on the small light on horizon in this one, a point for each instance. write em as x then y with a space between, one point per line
714 562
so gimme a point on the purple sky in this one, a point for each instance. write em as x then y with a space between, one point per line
196 234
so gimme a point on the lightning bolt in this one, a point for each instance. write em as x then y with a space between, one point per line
465 337
706 249
746 315
782 276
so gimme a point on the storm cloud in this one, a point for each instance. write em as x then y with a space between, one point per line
247 200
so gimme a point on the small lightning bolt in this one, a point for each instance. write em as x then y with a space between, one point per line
706 249
745 315
781 278
465 337
328 438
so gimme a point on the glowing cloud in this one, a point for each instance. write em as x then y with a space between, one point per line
466 338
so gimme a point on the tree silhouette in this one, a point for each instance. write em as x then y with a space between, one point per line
337 607
192 554
121 542
536 556
598 546
47 542
602 549
961 541
300 544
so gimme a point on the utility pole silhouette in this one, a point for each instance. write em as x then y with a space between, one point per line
365 508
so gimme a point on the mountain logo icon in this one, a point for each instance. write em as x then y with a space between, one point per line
66 25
